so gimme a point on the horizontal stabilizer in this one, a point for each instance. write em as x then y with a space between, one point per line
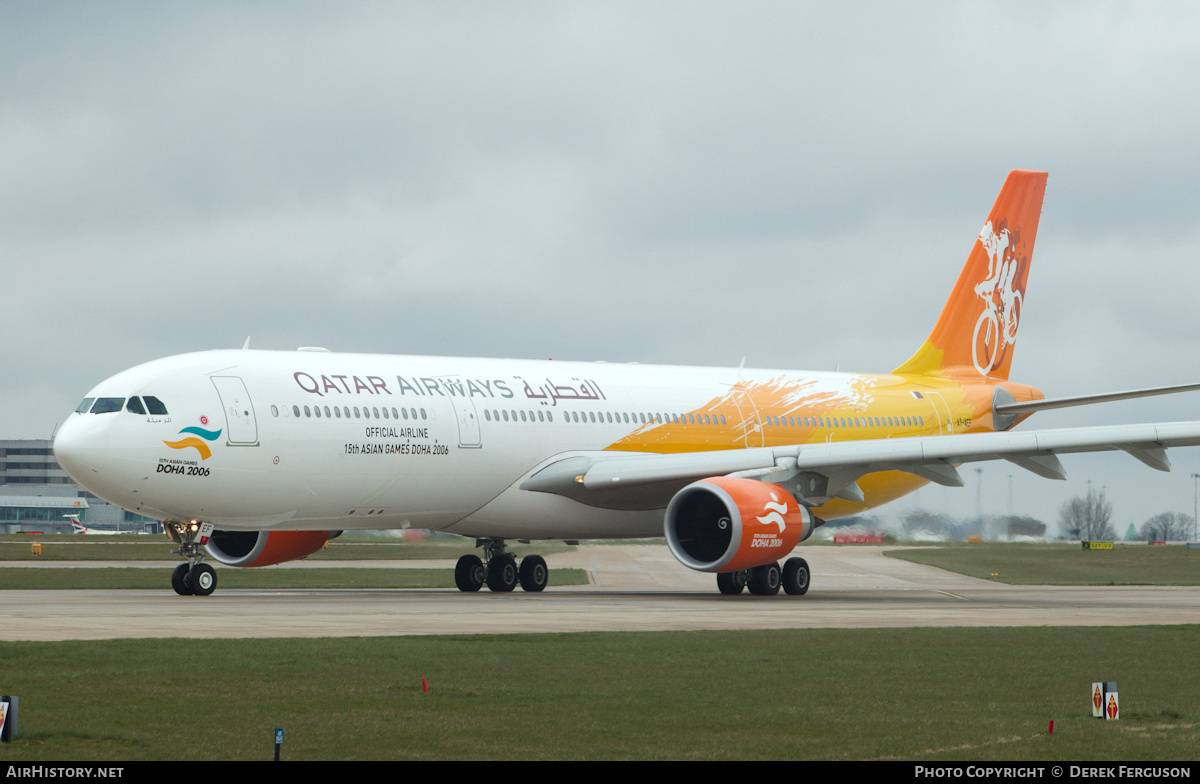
1030 406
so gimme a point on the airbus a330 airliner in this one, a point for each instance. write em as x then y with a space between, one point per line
259 457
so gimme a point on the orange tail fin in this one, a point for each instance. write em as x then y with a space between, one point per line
977 330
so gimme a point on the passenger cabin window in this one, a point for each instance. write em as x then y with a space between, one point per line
107 405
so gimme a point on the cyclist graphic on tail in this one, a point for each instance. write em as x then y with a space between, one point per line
996 329
976 331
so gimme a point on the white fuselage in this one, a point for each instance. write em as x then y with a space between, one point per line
313 440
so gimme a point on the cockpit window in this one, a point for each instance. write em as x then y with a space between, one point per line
85 406
106 405
134 406
154 405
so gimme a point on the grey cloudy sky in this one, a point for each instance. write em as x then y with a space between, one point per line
682 183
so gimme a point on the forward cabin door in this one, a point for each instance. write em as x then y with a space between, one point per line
241 428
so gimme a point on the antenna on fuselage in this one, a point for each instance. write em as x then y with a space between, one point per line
246 345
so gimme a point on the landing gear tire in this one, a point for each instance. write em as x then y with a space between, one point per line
469 574
764 580
194 578
201 580
796 576
502 573
731 583
534 575
179 579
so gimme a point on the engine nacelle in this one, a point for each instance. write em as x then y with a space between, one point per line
264 548
725 524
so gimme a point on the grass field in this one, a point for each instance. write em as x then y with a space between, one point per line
1062 564
1011 563
348 547
229 578
857 694
910 694
68 547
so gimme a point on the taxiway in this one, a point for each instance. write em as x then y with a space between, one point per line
633 588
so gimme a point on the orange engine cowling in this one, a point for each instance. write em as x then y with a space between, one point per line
264 548
725 524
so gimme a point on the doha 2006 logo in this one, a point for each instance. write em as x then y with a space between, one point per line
197 438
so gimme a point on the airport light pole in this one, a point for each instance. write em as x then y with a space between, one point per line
1194 478
979 493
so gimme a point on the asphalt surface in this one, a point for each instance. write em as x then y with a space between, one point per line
633 588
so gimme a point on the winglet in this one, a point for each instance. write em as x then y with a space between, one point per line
976 332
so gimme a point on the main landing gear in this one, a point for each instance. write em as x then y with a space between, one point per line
499 570
766 580
194 578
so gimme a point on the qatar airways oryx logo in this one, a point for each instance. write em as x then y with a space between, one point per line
194 440
996 329
775 512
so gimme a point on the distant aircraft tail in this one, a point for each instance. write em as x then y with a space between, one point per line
76 526
977 330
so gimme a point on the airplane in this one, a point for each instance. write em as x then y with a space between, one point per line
258 457
79 528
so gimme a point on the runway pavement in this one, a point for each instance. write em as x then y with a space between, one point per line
633 588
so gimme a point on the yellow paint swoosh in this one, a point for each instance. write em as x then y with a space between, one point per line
200 446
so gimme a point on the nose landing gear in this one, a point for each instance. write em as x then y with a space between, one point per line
194 578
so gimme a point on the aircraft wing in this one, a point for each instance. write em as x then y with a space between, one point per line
830 469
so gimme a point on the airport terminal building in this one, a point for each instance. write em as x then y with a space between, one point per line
36 495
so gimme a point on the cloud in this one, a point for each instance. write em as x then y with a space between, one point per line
675 183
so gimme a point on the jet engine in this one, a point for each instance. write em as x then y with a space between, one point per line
724 524
264 548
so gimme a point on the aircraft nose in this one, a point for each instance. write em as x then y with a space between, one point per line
77 449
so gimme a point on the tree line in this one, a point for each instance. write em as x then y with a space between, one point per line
1089 518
